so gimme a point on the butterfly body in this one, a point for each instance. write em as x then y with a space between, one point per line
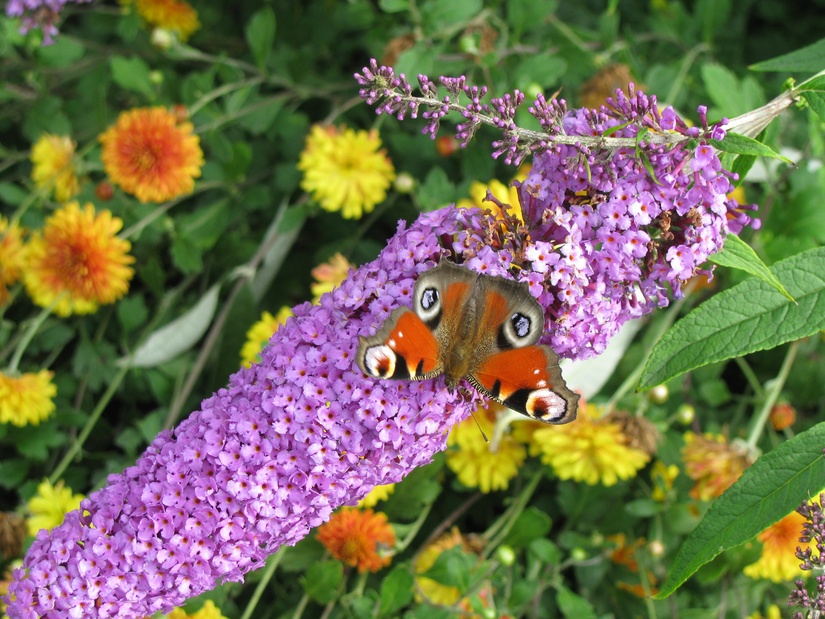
479 327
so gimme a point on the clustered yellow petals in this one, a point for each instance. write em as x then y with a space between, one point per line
506 194
151 155
260 333
11 256
713 463
50 505
174 15
345 170
76 262
377 494
358 538
432 590
591 450
473 460
662 477
329 275
53 166
778 561
26 399
207 611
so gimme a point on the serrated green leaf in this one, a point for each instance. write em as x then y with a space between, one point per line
131 74
177 336
260 34
736 254
808 58
742 145
396 591
750 316
322 581
770 489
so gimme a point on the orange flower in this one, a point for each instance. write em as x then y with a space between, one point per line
713 463
76 262
356 537
149 154
329 275
778 561
11 256
174 15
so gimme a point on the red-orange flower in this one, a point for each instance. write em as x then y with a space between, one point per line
11 256
149 154
174 15
76 262
778 561
356 537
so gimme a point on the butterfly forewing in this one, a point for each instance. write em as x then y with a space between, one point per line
404 348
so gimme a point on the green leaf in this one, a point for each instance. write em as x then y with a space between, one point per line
574 606
260 34
452 568
741 166
131 74
816 101
737 254
177 336
750 316
322 581
394 6
741 145
775 485
396 591
808 58
530 525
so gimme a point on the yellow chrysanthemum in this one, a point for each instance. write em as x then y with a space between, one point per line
774 612
173 15
591 450
345 170
358 538
506 194
433 590
472 459
11 256
378 493
662 477
76 262
778 561
152 155
260 333
53 166
207 611
329 275
50 505
26 399
713 463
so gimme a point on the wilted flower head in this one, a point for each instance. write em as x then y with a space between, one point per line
359 538
713 463
345 170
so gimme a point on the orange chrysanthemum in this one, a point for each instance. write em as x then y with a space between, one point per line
53 166
76 262
11 256
174 15
329 275
713 463
778 560
356 537
149 154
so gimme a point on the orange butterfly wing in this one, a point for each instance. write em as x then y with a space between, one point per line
404 348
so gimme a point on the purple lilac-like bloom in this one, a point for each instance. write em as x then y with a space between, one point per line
813 533
42 14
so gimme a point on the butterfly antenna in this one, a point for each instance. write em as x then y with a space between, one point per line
486 440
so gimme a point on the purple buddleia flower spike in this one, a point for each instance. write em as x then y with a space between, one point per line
43 14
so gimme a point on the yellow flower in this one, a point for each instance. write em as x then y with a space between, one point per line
77 262
174 15
378 493
663 476
773 613
207 611
345 170
260 333
506 194
11 256
53 167
26 399
594 451
358 538
778 561
148 153
472 459
329 275
50 505
713 463
433 590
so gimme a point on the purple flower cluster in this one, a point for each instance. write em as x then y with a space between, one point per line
813 531
609 230
263 462
39 13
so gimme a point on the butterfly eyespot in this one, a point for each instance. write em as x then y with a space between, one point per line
521 325
429 298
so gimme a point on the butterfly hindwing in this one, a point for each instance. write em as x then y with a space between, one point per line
527 380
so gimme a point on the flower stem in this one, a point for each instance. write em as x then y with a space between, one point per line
499 531
266 576
772 395
34 327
